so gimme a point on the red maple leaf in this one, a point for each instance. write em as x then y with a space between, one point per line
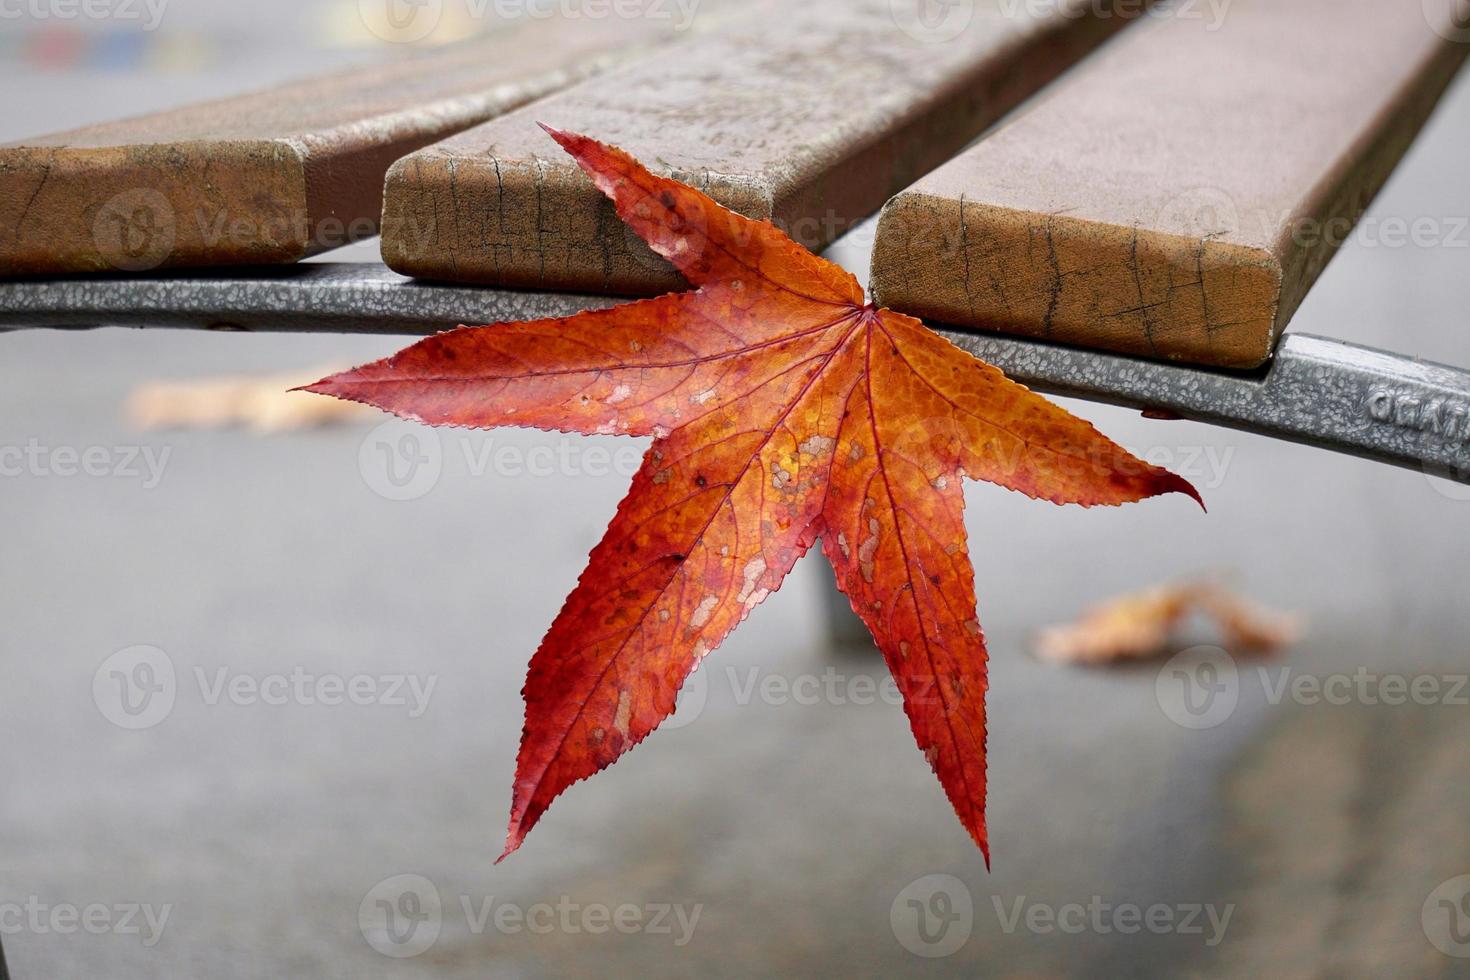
783 410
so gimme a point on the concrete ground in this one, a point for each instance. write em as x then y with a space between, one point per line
785 823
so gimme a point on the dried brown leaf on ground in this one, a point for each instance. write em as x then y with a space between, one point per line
261 403
1141 625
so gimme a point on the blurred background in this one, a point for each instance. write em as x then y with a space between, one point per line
248 821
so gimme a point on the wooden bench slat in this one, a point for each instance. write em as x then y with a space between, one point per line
279 174
811 117
1178 196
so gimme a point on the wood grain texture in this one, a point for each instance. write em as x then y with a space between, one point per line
1177 197
810 117
279 174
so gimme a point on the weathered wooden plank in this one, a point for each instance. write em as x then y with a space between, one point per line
1177 197
811 118
279 174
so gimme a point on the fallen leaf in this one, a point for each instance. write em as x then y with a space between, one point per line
782 410
261 403
1246 626
1142 624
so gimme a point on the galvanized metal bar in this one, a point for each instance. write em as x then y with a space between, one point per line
313 297
1315 391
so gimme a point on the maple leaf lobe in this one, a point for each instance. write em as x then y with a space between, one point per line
783 410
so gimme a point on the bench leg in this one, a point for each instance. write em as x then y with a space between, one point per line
846 634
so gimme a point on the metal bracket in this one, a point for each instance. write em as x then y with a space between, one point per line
1315 391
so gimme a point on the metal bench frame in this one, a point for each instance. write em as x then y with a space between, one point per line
1315 391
